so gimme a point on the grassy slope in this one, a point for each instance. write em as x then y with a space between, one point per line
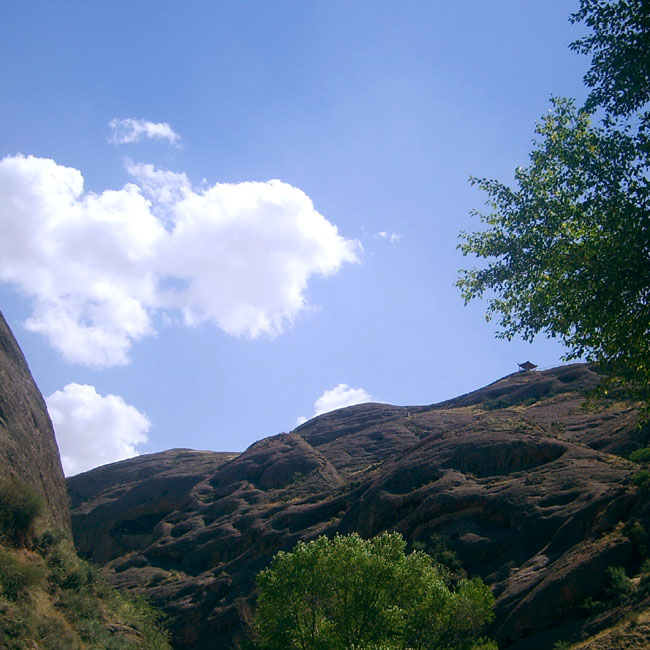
50 598
631 633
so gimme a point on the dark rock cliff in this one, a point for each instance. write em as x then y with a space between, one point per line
518 479
28 449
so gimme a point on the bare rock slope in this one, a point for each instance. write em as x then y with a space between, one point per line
527 487
28 449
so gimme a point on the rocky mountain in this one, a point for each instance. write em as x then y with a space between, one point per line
520 481
28 449
49 597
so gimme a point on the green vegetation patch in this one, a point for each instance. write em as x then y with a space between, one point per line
20 505
51 598
641 455
347 592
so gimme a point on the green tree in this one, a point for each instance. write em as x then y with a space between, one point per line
346 592
567 249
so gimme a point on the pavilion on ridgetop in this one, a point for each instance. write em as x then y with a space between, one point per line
527 365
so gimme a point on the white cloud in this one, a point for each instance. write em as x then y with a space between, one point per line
162 186
392 237
337 398
94 430
129 130
100 267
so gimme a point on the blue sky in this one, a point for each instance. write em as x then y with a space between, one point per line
167 295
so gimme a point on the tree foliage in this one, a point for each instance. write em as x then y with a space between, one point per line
567 249
346 592
619 44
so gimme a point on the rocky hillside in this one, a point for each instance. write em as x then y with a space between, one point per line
28 449
49 597
519 481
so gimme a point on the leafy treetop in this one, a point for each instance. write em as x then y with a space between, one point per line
347 592
619 45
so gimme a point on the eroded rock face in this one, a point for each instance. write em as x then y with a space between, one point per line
516 479
117 508
28 449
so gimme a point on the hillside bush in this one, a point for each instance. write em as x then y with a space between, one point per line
17 575
621 588
638 535
50 598
642 480
495 404
641 455
19 507
437 547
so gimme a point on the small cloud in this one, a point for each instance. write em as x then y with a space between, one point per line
337 398
94 430
130 130
392 237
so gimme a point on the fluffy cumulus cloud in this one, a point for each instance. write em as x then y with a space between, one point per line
337 398
92 429
129 130
99 267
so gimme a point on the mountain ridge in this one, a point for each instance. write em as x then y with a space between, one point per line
517 479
